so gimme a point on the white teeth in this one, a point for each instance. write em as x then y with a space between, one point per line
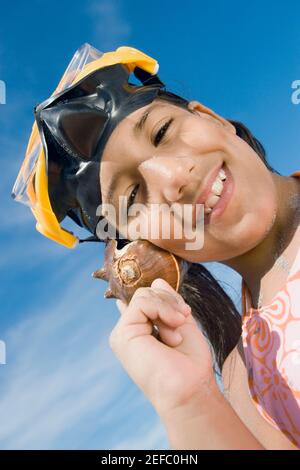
217 186
222 174
212 201
216 191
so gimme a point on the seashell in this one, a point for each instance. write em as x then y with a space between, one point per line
136 265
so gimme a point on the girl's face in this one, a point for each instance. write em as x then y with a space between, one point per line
172 155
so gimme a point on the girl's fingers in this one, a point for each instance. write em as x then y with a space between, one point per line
143 307
161 286
160 283
177 302
169 336
160 331
159 305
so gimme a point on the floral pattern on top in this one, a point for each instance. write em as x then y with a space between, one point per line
271 341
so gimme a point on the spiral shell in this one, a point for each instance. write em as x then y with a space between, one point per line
136 265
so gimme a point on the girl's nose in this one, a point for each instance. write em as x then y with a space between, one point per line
167 177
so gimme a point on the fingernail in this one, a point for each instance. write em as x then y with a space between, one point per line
185 309
158 282
177 336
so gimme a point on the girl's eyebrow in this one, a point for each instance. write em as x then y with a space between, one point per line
140 124
112 186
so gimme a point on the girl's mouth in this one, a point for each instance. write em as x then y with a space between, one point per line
217 200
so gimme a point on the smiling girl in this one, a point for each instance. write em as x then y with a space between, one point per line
158 148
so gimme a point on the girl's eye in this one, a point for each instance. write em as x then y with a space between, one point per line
160 134
132 197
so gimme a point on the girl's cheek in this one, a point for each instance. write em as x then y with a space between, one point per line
201 135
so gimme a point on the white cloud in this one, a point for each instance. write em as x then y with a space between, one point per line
111 29
62 387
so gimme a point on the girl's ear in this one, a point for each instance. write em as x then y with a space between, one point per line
208 113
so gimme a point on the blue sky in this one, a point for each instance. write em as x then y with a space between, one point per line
62 387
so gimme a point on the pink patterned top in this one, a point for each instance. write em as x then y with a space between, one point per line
271 341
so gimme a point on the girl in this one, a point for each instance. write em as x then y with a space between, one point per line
156 147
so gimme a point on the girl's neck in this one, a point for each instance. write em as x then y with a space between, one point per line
254 264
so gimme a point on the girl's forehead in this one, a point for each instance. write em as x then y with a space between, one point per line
121 139
125 148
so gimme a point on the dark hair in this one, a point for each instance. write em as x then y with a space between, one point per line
212 307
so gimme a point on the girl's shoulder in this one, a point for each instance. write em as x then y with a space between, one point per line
236 391
271 343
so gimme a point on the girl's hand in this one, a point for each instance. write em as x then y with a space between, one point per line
172 370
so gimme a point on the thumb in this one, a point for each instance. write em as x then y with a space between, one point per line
194 343
160 283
